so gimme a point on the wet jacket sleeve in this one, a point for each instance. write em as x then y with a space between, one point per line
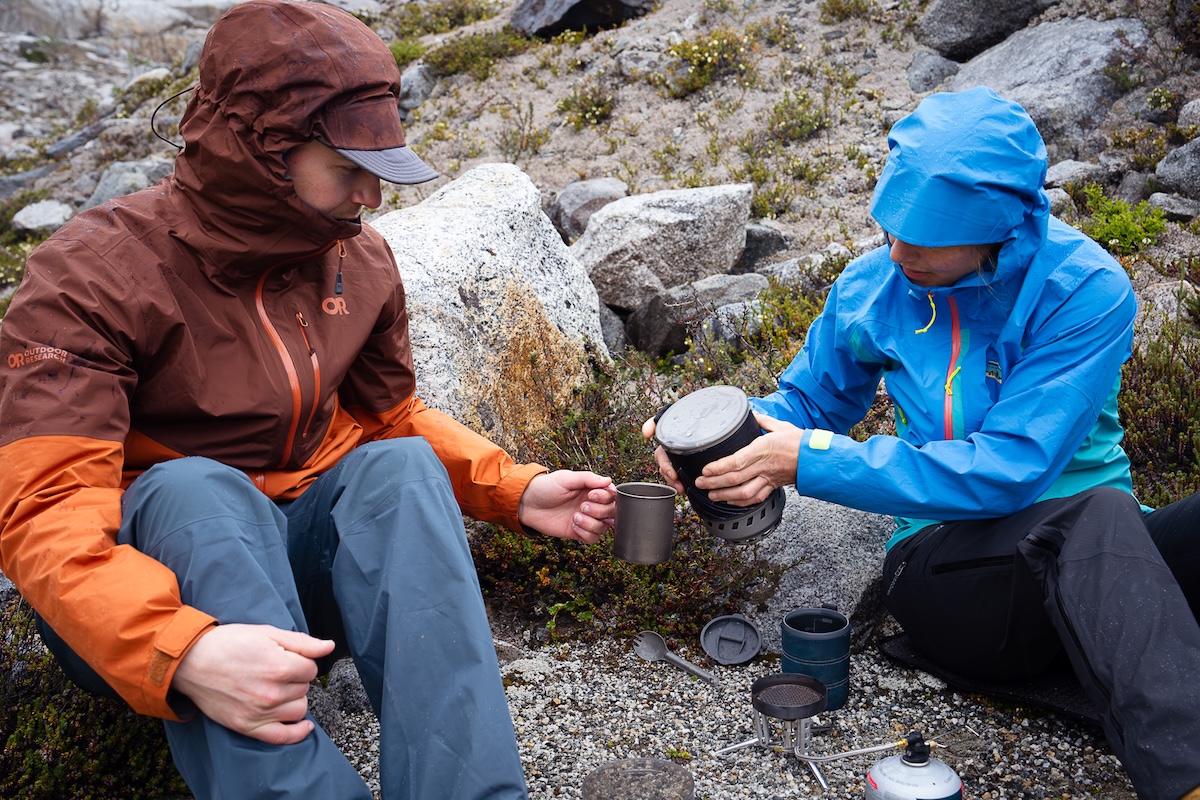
64 411
1049 403
487 483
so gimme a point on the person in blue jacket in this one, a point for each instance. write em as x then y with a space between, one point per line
999 332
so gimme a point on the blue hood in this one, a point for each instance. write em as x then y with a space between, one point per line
966 168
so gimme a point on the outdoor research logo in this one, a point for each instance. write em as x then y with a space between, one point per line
334 306
36 354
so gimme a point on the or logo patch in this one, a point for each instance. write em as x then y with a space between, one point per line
993 371
334 306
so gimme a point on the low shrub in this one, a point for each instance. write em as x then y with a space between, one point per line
833 11
587 105
1160 409
1118 227
583 591
412 20
58 741
720 54
406 51
476 54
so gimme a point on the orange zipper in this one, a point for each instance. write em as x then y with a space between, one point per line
285 356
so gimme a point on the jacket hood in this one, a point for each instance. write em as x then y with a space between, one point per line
966 168
273 75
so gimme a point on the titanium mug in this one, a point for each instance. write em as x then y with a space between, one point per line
644 532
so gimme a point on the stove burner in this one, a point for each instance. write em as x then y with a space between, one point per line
788 695
783 703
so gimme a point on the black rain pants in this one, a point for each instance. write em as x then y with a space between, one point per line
1092 576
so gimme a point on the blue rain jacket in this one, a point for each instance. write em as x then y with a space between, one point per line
1005 384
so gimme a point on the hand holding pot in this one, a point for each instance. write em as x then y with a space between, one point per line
660 457
750 475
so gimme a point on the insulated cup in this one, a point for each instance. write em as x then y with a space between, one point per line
816 642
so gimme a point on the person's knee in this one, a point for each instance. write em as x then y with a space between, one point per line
174 494
407 457
189 475
1107 499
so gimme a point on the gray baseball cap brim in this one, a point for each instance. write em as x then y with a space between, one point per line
396 165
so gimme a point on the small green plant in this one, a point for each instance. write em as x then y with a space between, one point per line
1118 227
568 39
406 51
412 20
587 106
700 62
833 11
778 32
772 200
35 52
1122 74
476 54
666 158
88 113
795 117
1161 99
521 136
1150 144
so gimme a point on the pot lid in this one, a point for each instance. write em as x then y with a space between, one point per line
731 639
701 419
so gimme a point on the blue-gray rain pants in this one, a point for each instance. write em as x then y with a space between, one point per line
1088 575
374 555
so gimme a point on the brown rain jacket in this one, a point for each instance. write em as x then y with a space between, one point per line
214 314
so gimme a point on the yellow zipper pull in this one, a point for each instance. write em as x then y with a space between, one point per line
933 307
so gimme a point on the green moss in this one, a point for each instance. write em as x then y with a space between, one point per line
61 742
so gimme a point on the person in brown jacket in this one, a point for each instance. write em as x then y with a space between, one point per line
215 475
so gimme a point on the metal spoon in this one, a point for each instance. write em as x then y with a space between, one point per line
650 646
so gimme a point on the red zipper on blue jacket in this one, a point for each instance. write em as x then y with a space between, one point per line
952 370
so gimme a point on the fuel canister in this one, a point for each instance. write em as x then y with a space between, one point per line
913 775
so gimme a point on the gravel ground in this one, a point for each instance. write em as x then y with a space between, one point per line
576 707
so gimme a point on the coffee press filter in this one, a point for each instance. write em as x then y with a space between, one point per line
705 426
